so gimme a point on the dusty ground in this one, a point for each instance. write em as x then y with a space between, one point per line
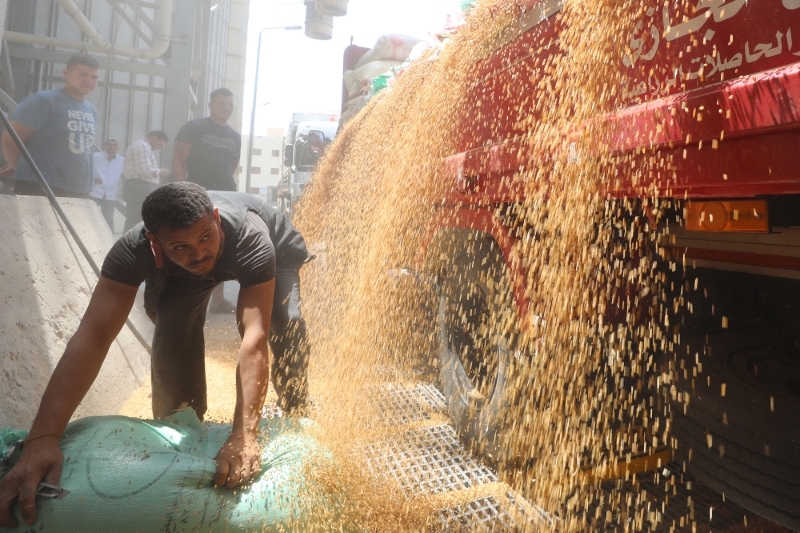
222 347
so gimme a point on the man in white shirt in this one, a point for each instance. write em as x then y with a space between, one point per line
142 175
108 168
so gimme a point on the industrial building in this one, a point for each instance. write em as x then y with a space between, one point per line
159 60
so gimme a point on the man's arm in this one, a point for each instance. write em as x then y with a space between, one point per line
180 155
240 458
76 371
10 150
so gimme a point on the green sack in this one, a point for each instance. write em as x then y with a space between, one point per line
381 82
129 475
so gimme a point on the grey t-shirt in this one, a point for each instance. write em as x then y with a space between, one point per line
247 256
61 145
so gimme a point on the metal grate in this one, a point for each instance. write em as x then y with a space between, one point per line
432 396
483 514
271 410
489 514
428 460
400 405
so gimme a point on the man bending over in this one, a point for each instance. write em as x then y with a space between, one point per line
188 243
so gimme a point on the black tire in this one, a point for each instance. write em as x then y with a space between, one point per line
475 350
754 452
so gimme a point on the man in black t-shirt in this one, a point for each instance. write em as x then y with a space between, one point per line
207 149
190 242
207 153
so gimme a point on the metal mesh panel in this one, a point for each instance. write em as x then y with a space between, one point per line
428 460
483 514
431 460
271 410
400 405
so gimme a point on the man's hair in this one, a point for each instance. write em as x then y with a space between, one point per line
110 141
175 206
158 134
83 59
222 91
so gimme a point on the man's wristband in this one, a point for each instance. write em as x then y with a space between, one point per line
57 436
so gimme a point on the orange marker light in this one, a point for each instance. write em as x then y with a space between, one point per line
737 216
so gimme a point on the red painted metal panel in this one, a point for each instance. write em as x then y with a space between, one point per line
744 115
711 109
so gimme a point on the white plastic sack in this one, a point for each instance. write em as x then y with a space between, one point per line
356 80
389 47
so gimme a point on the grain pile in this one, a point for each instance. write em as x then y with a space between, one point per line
585 393
373 197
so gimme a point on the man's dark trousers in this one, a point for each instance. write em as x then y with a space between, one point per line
107 208
177 306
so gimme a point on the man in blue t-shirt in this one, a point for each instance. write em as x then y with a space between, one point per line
58 129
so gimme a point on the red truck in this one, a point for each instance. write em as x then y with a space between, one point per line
713 86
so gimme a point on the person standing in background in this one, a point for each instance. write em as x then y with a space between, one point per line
142 175
58 129
108 167
207 149
207 152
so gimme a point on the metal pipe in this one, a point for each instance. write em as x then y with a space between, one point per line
100 45
255 95
60 211
83 23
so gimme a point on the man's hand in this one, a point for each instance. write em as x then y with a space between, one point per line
7 171
76 370
98 181
238 460
164 172
41 461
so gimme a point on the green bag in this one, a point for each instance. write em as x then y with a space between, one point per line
127 475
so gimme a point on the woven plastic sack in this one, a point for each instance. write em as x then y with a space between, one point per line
127 475
389 47
358 79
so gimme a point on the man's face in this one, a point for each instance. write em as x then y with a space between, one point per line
156 143
81 79
221 108
195 248
111 148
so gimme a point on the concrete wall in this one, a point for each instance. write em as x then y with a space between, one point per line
45 285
